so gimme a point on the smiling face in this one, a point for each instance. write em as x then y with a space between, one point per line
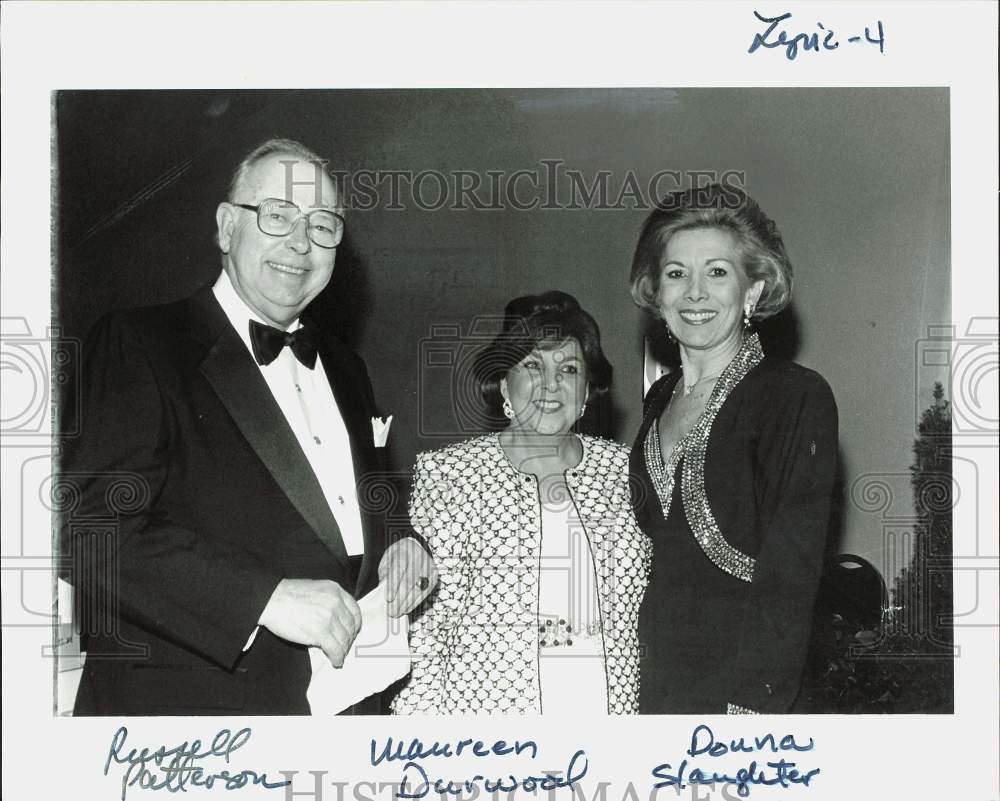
277 276
704 289
546 389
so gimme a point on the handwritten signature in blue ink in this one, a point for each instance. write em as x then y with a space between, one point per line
172 769
408 788
416 783
415 749
703 743
824 40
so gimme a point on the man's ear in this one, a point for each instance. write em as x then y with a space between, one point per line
225 222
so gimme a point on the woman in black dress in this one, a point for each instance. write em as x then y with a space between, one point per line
735 463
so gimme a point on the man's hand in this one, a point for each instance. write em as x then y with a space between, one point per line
409 575
312 612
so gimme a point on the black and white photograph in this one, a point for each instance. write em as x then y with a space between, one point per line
496 272
483 428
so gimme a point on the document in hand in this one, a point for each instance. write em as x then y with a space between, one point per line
379 656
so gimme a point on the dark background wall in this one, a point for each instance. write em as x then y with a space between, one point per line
857 180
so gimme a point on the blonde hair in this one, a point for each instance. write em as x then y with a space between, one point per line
725 208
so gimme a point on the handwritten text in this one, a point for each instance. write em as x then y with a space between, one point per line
173 769
823 40
782 772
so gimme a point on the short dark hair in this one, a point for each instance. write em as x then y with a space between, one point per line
725 208
545 320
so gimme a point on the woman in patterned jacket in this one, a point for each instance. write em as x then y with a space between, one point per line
542 567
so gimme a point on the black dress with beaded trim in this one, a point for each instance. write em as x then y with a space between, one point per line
738 524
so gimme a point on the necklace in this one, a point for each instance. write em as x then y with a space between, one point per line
689 388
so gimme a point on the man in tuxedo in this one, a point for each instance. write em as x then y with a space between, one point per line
215 526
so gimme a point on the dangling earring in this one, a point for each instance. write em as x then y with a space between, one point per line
670 335
508 410
747 312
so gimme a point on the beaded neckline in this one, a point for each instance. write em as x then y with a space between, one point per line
691 449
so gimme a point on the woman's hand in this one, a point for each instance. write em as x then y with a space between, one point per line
409 574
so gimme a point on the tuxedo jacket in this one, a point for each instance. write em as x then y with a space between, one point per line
188 498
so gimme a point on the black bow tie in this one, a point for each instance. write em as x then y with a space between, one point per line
267 343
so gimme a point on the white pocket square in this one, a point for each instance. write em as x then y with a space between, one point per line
380 430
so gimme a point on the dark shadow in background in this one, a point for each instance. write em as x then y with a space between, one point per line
781 335
343 307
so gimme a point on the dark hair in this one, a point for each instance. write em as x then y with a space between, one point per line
726 208
544 320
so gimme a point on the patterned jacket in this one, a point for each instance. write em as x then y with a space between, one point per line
475 645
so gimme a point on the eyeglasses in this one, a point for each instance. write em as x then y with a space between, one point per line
278 217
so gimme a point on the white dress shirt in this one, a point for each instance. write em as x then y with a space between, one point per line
306 400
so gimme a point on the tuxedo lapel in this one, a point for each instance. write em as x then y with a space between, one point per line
237 381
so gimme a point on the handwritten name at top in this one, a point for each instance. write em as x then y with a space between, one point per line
823 40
